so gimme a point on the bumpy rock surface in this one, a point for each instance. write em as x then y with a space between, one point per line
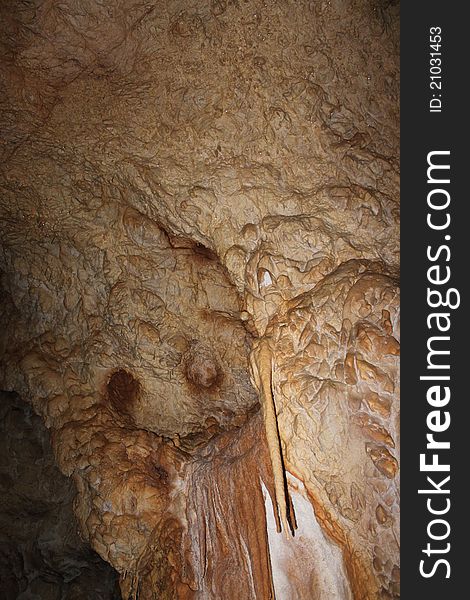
41 554
184 183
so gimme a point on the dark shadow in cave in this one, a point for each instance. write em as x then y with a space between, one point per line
41 554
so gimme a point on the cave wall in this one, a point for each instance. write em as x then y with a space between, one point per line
183 184
42 556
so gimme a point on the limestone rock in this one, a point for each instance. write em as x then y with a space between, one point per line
183 181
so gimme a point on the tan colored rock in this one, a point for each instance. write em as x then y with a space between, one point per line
182 182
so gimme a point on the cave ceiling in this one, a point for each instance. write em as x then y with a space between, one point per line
199 217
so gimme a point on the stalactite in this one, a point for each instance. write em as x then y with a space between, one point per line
262 369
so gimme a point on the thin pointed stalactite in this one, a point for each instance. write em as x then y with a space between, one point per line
262 368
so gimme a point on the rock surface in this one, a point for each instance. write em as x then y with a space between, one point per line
182 182
42 555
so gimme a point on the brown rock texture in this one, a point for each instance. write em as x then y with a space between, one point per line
41 553
188 186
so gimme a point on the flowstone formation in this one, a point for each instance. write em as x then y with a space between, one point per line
199 279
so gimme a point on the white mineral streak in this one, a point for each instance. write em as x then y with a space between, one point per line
308 565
